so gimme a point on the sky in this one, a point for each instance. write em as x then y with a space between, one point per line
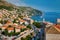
43 5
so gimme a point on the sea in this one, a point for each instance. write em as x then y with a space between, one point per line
48 16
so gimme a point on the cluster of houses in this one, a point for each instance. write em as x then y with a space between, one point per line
10 26
13 15
9 16
16 25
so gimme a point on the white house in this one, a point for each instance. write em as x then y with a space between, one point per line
23 21
11 29
17 30
1 25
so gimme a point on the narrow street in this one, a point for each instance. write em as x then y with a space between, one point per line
39 34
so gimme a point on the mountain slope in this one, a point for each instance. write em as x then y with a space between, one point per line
29 11
20 10
2 2
6 5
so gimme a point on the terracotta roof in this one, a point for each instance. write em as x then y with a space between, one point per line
4 26
22 20
52 30
10 28
15 24
57 26
9 21
21 26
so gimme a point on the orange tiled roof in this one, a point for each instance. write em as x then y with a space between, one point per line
22 20
4 26
57 26
15 24
10 28
18 27
21 26
8 21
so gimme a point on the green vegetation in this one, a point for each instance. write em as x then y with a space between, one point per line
22 30
20 9
13 34
20 16
22 38
5 32
0 29
6 7
29 11
10 34
3 22
15 21
37 24
27 38
0 0
29 27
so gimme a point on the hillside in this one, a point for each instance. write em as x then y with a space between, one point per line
21 10
3 2
29 11
6 5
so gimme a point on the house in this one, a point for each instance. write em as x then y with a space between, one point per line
15 25
4 27
1 25
9 22
23 21
10 29
29 20
0 15
58 21
22 26
17 29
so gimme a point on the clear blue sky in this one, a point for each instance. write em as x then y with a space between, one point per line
44 5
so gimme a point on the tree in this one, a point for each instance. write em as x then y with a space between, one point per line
5 21
23 29
22 38
29 26
1 21
0 29
14 29
7 8
5 32
37 24
28 37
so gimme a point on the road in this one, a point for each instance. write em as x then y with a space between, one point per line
39 33
24 34
36 31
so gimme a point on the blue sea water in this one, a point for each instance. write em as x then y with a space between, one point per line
48 16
